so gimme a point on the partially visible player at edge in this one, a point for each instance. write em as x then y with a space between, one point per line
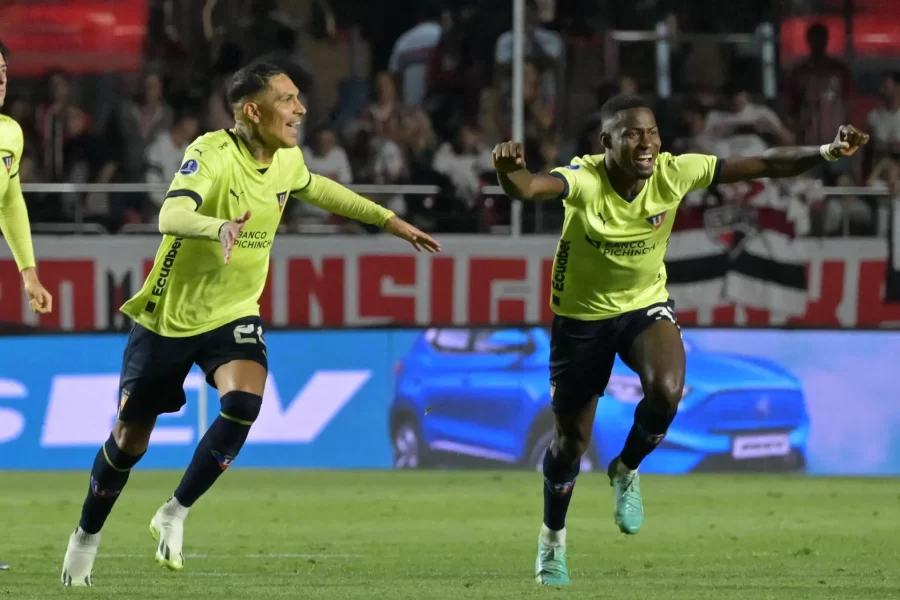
609 292
200 302
13 212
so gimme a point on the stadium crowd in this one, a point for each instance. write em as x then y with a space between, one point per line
430 113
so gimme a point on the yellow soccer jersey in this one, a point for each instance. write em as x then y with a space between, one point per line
190 289
11 145
610 255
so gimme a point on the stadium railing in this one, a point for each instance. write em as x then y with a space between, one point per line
763 41
80 227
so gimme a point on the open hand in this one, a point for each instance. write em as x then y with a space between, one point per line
849 139
508 157
39 299
230 232
403 230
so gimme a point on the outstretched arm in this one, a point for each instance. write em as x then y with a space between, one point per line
793 161
517 182
335 198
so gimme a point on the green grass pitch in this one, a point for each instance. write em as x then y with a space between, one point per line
463 535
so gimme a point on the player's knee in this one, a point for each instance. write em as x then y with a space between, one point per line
132 437
241 407
664 391
570 445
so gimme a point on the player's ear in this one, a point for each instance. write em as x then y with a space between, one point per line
606 140
251 111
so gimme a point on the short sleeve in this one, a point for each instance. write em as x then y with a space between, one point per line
692 172
301 177
578 180
197 174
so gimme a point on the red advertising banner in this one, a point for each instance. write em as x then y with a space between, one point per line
363 281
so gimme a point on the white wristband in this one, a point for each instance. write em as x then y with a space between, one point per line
827 154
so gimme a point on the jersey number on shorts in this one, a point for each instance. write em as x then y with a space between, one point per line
249 334
659 312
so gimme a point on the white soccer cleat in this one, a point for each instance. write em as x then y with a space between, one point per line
167 528
78 565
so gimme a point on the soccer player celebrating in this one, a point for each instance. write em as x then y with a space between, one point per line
13 212
609 292
200 302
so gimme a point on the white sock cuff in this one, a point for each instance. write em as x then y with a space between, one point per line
175 509
87 539
553 538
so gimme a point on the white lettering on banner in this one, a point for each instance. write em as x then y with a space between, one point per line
338 281
82 409
12 422
301 422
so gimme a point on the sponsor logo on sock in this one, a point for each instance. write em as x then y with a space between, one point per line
561 489
101 493
653 438
223 460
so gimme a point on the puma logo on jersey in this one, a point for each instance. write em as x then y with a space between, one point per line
602 218
237 196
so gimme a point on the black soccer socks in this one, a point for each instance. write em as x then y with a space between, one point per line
649 429
220 445
108 477
559 479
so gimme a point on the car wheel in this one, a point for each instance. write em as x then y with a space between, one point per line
408 446
539 449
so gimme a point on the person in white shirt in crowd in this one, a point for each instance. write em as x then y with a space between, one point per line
743 117
463 160
166 150
543 49
409 57
884 127
326 157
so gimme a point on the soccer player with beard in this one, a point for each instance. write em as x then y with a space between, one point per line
200 302
609 292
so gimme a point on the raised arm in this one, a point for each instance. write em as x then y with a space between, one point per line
517 182
793 161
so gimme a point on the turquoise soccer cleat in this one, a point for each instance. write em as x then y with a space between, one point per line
550 567
629 512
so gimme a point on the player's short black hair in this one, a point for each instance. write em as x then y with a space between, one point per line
621 102
4 52
251 80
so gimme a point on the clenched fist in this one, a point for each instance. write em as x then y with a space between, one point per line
508 157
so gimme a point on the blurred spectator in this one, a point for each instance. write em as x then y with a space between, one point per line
412 51
700 138
87 160
819 91
884 123
539 109
741 116
384 116
50 124
286 56
464 160
324 156
166 151
137 123
219 114
543 49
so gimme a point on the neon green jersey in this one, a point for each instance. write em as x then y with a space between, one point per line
610 255
190 289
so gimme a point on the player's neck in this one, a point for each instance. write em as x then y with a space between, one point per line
255 146
624 184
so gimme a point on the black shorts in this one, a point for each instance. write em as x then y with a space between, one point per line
154 367
582 353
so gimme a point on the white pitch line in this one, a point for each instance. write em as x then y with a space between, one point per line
239 556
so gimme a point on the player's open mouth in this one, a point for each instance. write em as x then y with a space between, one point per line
292 127
644 160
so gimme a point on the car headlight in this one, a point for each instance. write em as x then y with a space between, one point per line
627 389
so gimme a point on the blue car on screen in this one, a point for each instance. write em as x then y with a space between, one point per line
479 397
